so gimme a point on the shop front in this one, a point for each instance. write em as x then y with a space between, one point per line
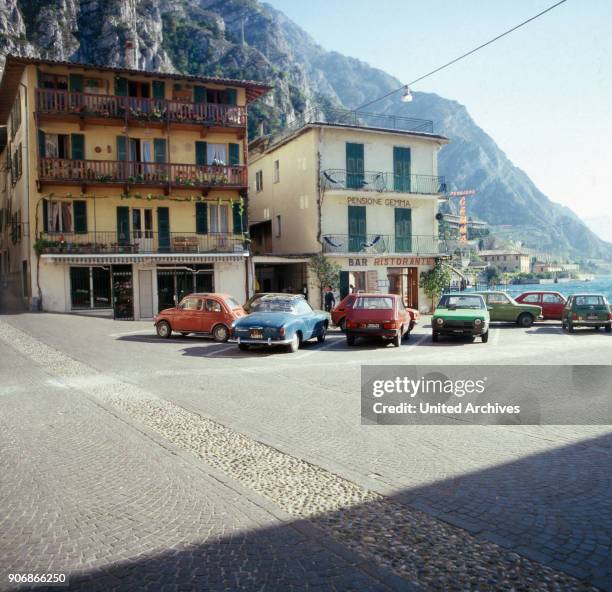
136 287
386 274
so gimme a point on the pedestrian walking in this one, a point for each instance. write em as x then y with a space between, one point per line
330 299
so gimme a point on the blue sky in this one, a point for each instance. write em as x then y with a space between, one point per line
544 93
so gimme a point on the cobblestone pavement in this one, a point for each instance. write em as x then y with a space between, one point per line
382 528
83 493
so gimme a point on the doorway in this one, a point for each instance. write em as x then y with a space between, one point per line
145 293
404 281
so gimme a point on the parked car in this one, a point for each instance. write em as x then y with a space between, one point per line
379 315
461 314
552 303
211 314
338 314
587 310
280 319
247 305
502 307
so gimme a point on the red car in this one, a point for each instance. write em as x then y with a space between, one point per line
211 314
338 314
379 315
552 303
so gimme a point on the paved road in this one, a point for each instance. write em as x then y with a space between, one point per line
543 491
86 494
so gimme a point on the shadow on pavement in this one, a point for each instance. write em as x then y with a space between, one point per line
554 507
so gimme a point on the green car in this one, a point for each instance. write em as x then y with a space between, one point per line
502 307
586 310
461 314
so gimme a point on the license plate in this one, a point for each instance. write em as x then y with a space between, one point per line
373 326
592 317
256 334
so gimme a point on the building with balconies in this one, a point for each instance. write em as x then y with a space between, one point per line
126 189
363 189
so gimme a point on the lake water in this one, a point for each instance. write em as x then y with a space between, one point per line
599 285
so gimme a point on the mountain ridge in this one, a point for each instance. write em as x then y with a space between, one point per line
249 39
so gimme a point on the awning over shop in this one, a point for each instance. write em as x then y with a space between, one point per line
146 258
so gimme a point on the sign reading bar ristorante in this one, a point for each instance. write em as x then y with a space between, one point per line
378 201
390 261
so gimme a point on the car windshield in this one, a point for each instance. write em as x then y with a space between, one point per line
373 303
233 304
454 302
589 300
273 305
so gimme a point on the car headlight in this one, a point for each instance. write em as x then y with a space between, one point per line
478 322
440 321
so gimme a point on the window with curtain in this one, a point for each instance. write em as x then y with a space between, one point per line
216 153
219 218
59 216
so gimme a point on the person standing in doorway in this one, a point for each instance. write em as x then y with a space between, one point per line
330 299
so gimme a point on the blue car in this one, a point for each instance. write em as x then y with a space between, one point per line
280 320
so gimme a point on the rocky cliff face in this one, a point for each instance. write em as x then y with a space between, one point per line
249 39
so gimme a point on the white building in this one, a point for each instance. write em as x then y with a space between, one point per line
365 193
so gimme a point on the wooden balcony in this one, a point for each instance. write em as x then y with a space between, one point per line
62 171
96 108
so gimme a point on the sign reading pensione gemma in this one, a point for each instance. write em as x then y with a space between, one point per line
486 395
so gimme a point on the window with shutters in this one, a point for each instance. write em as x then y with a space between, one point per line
16 115
278 226
58 216
16 165
219 218
276 171
259 180
142 222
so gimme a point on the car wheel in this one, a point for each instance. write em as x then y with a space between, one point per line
184 334
596 328
243 346
163 329
294 344
350 340
570 327
434 337
221 333
321 338
485 337
397 340
525 320
342 325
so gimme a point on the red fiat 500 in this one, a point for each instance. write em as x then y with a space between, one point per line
211 314
552 303
379 315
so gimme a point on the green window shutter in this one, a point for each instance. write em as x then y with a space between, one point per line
357 228
354 165
121 148
201 218
45 208
403 230
76 82
77 144
344 284
237 218
159 89
401 169
200 152
159 149
80 216
121 86
199 94
232 96
123 225
41 144
234 154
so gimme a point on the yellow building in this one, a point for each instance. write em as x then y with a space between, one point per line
508 261
360 188
123 190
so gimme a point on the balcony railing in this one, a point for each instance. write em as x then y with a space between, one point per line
144 241
381 182
119 172
63 102
383 243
